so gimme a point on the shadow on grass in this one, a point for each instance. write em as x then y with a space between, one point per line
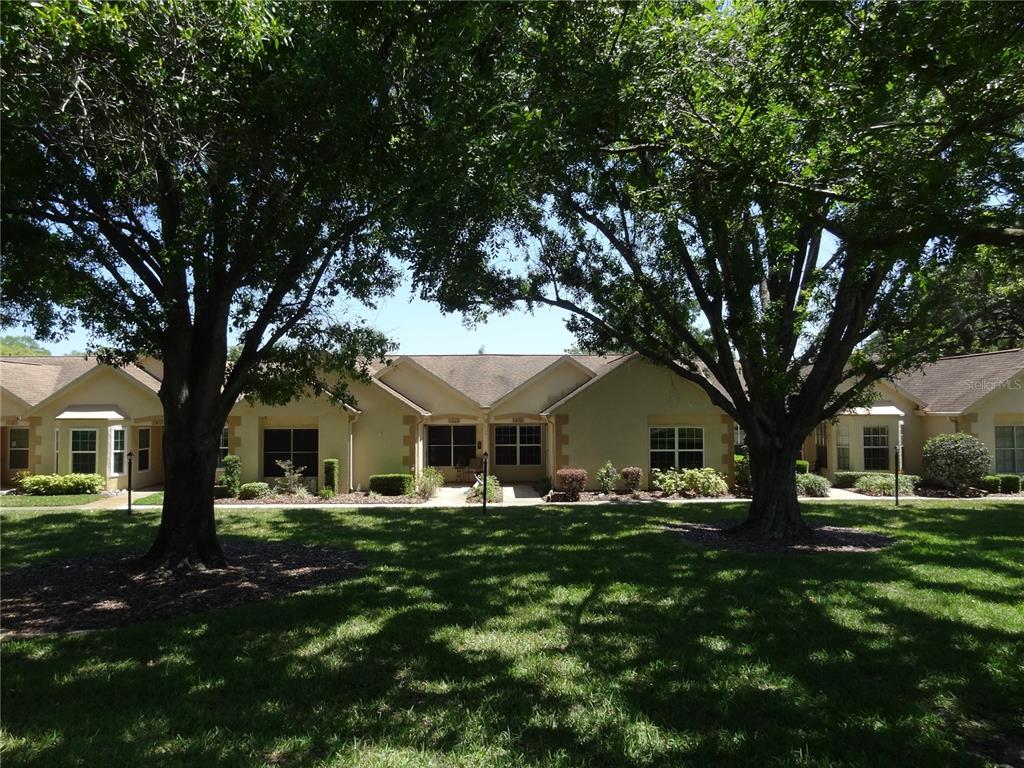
546 636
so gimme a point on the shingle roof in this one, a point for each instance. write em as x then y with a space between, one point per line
33 379
953 384
485 379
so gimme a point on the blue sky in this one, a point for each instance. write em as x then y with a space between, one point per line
419 327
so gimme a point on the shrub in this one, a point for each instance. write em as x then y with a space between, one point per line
398 484
876 484
742 486
494 492
606 477
327 493
1010 483
57 485
802 467
990 484
429 481
813 485
291 482
331 475
572 482
543 486
253 491
955 461
232 477
632 478
846 479
706 483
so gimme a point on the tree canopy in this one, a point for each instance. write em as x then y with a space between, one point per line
22 345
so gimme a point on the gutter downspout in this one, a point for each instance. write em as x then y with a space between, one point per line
352 419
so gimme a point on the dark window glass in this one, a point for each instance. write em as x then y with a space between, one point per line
438 436
505 454
529 455
83 440
296 445
450 446
876 447
504 435
662 459
143 457
275 440
83 462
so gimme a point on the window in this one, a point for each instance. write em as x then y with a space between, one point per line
842 447
117 450
876 447
17 454
1010 450
300 446
143 452
450 446
223 450
681 447
517 445
83 451
821 446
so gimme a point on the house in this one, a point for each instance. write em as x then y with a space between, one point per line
532 414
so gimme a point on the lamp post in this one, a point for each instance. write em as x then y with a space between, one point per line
485 457
129 482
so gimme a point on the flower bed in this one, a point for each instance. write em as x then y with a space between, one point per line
358 497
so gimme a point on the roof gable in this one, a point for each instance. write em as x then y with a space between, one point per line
954 384
36 380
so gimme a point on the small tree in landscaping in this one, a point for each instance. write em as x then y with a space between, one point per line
606 477
955 461
291 482
232 477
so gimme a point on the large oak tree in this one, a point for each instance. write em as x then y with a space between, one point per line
746 192
180 176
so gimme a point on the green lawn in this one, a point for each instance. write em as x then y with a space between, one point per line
547 637
70 500
150 498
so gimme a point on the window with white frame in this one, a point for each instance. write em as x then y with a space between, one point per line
117 449
517 445
17 448
876 447
842 447
142 452
222 451
83 451
680 447
1010 450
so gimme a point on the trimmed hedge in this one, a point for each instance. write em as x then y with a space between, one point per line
398 484
632 478
1010 483
885 485
802 467
571 482
253 490
989 484
848 478
742 486
955 461
61 485
331 475
232 477
813 485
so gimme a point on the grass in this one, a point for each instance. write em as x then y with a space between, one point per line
156 499
547 636
9 500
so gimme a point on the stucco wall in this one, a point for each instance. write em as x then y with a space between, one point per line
548 387
426 391
610 420
385 435
1003 407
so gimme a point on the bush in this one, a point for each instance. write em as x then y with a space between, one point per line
990 484
58 485
571 482
331 475
813 485
429 481
705 483
846 479
291 482
494 492
955 461
232 477
253 491
877 484
327 493
398 484
802 467
1010 483
632 478
543 486
606 477
742 486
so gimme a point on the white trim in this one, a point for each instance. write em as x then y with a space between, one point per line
518 444
111 471
148 449
675 450
72 452
27 450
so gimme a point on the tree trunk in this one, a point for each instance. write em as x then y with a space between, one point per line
187 537
774 511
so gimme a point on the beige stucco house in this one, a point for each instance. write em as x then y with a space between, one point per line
532 414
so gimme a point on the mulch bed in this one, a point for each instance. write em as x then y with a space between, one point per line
359 497
99 591
622 497
716 534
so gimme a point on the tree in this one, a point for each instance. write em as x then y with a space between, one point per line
793 178
177 171
22 345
